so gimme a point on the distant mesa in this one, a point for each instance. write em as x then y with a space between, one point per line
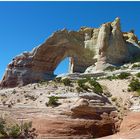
89 47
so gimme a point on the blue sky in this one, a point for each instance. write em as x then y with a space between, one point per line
25 25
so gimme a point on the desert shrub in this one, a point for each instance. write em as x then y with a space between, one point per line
112 77
117 104
81 82
31 97
135 59
138 92
129 90
124 67
18 100
58 79
136 65
108 94
66 81
97 88
20 131
111 68
85 87
53 101
114 99
2 128
124 75
138 74
43 82
82 85
106 91
3 95
134 85
14 91
79 89
10 105
38 85
71 89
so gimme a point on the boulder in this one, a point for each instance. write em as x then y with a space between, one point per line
91 106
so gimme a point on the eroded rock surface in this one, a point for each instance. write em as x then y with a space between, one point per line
70 119
91 106
94 47
130 127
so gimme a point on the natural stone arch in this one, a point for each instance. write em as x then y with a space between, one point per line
61 45
106 45
40 63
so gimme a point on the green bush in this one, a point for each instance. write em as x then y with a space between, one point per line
111 68
43 82
138 74
106 91
14 131
66 81
134 85
135 59
112 77
58 79
53 101
14 91
124 75
85 87
31 97
79 89
18 100
114 99
136 66
81 82
20 131
97 88
138 92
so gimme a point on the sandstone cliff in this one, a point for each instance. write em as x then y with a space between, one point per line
96 47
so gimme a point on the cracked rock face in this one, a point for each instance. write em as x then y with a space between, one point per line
88 47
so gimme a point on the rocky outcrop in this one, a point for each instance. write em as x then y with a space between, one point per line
91 106
112 47
60 128
94 47
87 116
129 128
115 47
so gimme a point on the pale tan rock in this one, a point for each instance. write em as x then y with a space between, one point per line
112 47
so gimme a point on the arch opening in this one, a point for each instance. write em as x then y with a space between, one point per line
63 67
